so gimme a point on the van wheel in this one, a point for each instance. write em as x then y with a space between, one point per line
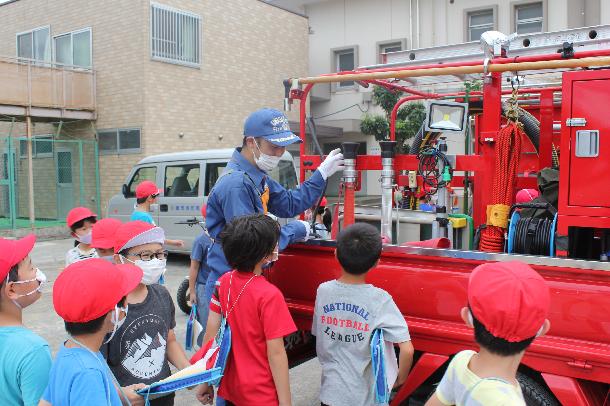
534 393
183 297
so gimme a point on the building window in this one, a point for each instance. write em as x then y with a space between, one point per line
119 141
478 22
345 61
386 47
74 48
528 18
42 147
35 44
175 36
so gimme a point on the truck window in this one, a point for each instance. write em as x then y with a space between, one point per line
182 180
212 173
142 174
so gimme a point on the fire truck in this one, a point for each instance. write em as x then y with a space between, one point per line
540 121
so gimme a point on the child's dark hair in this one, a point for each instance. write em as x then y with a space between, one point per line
358 248
13 275
246 240
81 223
497 345
88 327
141 200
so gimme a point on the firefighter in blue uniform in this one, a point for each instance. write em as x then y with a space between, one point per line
245 187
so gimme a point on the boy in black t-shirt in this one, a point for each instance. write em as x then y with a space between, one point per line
143 347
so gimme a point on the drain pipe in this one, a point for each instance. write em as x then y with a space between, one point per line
387 187
349 181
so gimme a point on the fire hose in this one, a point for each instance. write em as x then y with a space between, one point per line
507 154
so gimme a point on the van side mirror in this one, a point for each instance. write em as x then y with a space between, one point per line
125 191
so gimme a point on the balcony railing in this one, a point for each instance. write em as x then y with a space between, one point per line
38 84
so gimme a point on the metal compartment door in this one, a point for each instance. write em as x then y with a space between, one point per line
589 144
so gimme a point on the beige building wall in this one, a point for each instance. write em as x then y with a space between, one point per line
248 48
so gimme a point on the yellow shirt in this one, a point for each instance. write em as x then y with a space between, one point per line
460 386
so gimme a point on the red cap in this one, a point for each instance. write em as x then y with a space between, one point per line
526 195
136 233
509 298
86 290
77 214
433 243
102 233
147 188
13 252
323 202
204 209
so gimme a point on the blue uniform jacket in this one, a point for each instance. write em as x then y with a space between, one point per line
236 194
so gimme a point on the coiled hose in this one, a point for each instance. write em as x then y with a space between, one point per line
533 236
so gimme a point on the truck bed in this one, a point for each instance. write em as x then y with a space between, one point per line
429 287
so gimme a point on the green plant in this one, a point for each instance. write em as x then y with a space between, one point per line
408 119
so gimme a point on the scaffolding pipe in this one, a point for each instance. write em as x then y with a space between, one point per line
461 70
28 126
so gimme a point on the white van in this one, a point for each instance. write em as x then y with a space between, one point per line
186 179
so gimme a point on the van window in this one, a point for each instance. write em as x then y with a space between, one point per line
182 180
284 174
142 174
212 173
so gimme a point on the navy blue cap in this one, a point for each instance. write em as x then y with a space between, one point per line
272 125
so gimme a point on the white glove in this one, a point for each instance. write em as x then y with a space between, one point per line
307 230
333 163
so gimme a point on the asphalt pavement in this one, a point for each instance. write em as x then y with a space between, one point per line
42 319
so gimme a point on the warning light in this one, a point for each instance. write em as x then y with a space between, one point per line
445 116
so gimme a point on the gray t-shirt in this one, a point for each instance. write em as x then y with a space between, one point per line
344 319
138 351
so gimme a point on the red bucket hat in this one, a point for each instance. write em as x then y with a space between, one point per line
103 233
147 188
13 252
77 214
86 290
509 298
136 233
526 195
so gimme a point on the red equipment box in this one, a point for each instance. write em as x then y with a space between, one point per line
584 192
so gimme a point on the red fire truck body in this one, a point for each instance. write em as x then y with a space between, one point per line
571 364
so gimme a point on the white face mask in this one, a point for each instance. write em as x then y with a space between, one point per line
40 277
153 269
85 239
266 162
109 258
116 320
274 257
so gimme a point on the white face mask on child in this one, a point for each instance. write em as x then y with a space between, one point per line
85 239
153 269
116 320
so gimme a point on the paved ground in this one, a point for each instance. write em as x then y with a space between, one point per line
40 317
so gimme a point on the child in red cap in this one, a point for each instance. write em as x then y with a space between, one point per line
90 297
146 195
81 220
146 344
256 372
102 237
25 359
507 306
